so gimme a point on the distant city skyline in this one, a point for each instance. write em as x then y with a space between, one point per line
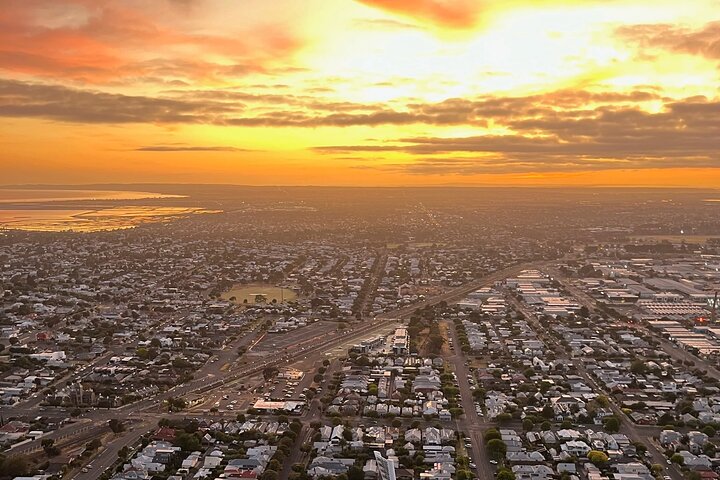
361 92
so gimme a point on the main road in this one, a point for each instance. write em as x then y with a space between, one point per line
473 424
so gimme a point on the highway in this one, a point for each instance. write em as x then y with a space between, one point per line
109 454
459 292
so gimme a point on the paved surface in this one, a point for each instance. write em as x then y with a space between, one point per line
472 424
107 457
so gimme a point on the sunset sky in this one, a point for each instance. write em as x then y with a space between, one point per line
360 92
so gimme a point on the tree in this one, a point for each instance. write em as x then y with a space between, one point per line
188 442
528 424
603 401
709 430
505 474
463 475
638 367
612 425
94 444
678 459
116 425
355 473
710 449
496 448
504 417
597 457
640 447
269 475
15 466
269 373
490 434
48 445
176 404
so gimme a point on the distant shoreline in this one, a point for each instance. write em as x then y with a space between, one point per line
40 195
143 187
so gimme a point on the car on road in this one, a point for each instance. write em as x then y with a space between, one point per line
494 462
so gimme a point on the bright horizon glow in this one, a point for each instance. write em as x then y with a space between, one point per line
361 92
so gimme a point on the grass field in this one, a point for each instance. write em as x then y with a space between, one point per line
249 292
393 246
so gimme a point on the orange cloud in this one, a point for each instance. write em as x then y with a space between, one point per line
99 44
449 13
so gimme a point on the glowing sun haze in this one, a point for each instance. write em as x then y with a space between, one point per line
361 92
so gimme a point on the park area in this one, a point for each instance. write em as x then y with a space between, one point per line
259 293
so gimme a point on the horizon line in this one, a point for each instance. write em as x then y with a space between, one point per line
448 185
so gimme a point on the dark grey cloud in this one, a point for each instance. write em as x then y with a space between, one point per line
217 107
704 41
233 107
685 133
18 99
